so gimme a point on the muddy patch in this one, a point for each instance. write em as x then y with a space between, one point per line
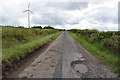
79 67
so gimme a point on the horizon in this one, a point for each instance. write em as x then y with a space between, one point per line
62 14
57 28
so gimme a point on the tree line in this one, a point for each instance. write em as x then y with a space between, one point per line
39 27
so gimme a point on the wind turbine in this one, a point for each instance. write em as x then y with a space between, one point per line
29 11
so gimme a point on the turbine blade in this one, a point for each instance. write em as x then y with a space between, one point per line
28 5
30 11
25 10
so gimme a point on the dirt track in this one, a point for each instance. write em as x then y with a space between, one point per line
65 58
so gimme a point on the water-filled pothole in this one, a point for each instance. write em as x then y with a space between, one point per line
79 67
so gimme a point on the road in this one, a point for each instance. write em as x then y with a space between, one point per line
65 58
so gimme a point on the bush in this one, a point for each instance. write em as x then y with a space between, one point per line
37 27
74 30
93 38
108 39
111 43
48 27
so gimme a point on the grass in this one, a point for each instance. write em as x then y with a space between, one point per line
18 36
104 55
17 52
19 42
0 45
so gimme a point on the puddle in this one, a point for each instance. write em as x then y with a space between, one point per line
81 68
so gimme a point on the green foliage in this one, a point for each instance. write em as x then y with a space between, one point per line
0 44
102 53
19 42
37 27
111 43
108 39
48 27
20 51
15 36
74 30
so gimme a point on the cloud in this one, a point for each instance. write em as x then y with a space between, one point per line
68 5
104 14
100 15
49 19
68 14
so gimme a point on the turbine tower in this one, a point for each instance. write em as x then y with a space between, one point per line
29 11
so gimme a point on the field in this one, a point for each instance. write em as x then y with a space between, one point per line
19 42
0 45
103 45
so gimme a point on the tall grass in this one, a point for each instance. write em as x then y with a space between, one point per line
0 45
19 42
16 36
103 54
17 52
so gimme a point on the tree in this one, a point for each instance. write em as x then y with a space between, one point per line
48 27
37 27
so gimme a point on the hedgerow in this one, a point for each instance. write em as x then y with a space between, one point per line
108 39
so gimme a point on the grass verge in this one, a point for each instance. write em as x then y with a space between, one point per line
104 55
17 52
0 45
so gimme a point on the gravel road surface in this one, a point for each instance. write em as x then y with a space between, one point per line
65 58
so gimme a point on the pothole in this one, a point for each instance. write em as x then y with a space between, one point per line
79 67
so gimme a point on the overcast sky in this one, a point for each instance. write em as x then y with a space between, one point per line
65 14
